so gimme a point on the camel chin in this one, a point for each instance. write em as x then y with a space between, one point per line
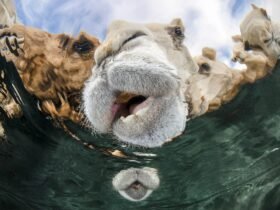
136 91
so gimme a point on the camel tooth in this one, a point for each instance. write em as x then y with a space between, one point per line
141 111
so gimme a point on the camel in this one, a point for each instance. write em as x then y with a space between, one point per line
53 67
213 85
136 90
258 47
216 83
259 31
145 84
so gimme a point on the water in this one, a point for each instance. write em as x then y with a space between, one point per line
228 159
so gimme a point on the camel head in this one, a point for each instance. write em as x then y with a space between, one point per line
212 85
48 63
136 89
258 31
53 67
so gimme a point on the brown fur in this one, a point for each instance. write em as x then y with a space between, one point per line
54 68
213 85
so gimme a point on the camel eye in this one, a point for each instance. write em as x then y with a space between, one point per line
83 47
204 68
177 35
266 41
178 31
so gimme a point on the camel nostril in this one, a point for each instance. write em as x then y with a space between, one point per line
134 36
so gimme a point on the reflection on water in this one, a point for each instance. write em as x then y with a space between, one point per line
136 184
228 159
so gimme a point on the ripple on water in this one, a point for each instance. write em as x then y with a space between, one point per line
228 159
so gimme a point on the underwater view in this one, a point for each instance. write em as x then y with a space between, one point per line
61 150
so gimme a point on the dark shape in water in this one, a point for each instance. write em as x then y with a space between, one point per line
24 99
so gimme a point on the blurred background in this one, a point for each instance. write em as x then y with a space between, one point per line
208 23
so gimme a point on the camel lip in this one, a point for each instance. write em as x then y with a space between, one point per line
130 106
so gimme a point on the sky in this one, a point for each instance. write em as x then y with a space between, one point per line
208 23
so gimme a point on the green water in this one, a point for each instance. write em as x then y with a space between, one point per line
228 159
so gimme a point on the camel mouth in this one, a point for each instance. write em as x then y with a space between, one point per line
129 105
